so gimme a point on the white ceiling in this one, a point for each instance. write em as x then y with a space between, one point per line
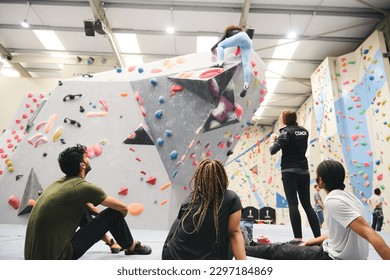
324 28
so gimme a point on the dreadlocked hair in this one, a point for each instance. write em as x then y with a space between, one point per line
208 185
233 27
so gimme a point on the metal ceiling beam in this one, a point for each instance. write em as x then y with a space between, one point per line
244 12
17 66
356 40
100 14
195 6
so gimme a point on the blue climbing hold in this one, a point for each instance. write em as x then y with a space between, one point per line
173 155
118 70
158 114
161 99
140 70
168 133
160 141
153 81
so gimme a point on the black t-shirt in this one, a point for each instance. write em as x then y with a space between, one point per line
187 244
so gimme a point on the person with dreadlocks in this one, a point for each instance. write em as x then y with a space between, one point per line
236 36
349 234
208 224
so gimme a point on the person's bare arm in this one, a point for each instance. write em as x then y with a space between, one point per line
315 241
361 227
235 236
92 209
115 204
319 201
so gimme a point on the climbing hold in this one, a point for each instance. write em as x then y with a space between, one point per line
96 114
380 177
211 73
164 202
151 180
166 185
123 94
155 70
158 114
18 177
378 162
123 191
140 70
14 201
97 149
40 125
173 155
118 70
90 152
50 122
34 138
57 133
104 104
135 208
161 99
160 141
153 81
131 68
41 140
168 133
174 89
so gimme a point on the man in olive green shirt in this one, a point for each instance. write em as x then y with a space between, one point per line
52 229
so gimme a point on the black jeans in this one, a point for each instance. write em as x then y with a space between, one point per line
294 183
377 219
287 251
93 229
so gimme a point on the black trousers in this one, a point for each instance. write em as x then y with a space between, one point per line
377 219
287 251
294 184
93 229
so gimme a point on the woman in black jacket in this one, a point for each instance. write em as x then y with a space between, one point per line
292 140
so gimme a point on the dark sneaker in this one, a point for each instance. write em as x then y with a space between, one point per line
243 93
139 249
219 65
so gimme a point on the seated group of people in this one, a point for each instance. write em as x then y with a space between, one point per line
65 223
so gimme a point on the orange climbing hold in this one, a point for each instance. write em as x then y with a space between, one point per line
31 202
164 202
166 185
151 180
124 94
50 123
135 208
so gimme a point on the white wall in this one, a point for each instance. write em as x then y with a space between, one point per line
13 90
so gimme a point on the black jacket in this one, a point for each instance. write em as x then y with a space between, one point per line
292 141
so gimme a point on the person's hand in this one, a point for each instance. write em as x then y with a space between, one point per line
304 243
273 136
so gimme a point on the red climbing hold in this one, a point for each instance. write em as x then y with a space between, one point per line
123 191
151 180
14 201
211 73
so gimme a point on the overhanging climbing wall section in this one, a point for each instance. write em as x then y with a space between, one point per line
146 129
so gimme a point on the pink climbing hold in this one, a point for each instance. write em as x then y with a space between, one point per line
123 191
239 109
155 70
380 177
366 164
354 137
90 152
131 68
97 149
151 180
14 201
104 104
175 89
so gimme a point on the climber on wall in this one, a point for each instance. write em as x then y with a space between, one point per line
236 36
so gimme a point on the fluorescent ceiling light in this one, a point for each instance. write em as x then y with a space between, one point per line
128 43
284 50
9 72
133 60
292 35
204 43
49 40
170 30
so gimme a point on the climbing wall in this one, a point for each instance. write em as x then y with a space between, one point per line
146 129
350 95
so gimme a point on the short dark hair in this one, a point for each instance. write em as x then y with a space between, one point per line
377 191
289 117
70 159
332 174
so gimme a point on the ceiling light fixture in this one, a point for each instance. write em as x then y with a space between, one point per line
171 28
291 34
24 23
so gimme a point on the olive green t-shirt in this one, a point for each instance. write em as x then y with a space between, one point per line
56 216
